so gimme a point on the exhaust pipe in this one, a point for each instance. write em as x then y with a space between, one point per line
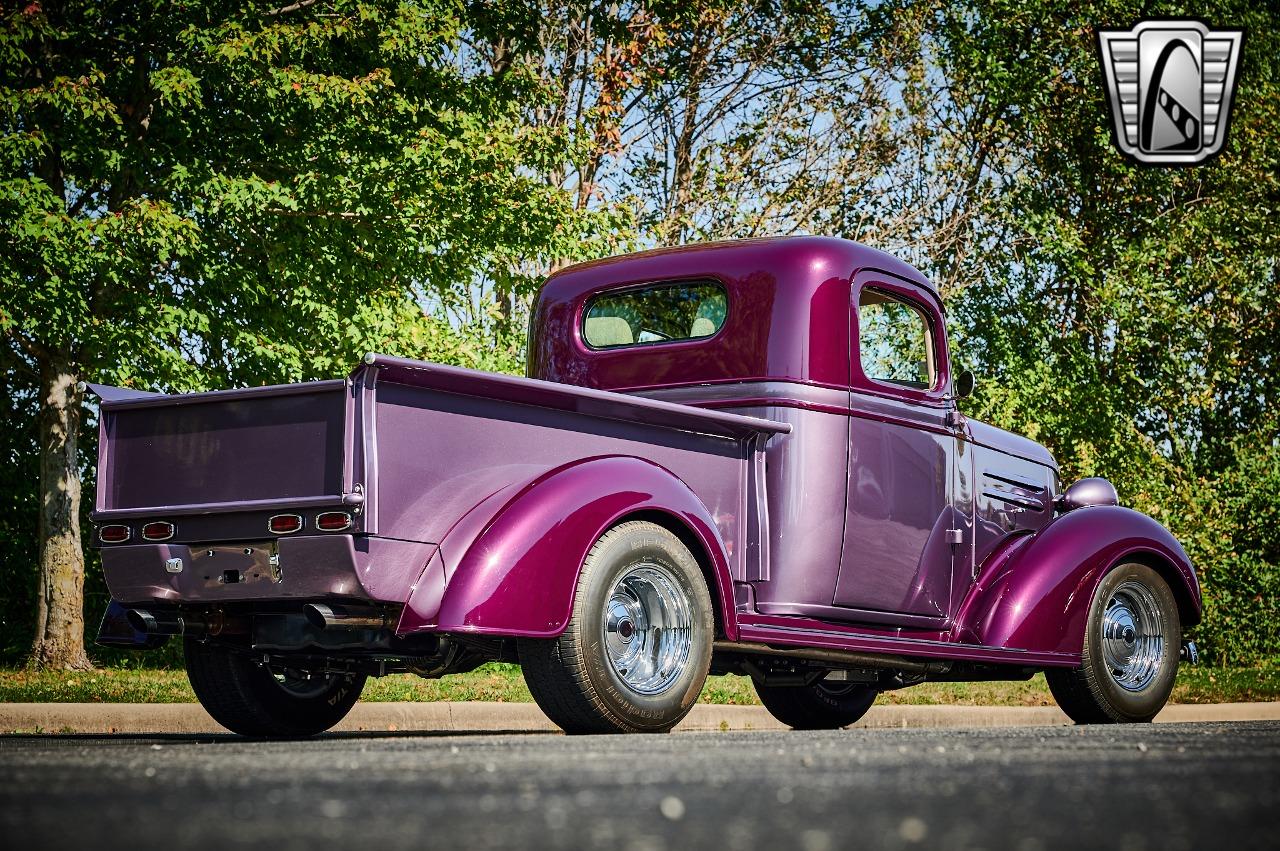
335 616
167 623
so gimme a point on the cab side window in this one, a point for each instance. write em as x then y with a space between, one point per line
894 343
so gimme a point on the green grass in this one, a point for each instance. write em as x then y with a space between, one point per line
498 682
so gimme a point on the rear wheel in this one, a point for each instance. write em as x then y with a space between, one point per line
819 706
637 648
1130 655
251 700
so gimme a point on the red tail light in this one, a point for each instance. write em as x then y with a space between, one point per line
284 524
333 521
158 531
113 534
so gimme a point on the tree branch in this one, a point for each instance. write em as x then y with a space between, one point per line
292 7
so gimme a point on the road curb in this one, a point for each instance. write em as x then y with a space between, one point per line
166 718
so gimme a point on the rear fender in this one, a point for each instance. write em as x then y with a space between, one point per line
1034 593
511 566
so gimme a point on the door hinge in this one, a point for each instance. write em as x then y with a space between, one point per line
955 536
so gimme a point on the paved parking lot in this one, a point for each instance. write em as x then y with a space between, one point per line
1170 786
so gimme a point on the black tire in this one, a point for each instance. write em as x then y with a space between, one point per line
820 706
249 700
574 679
1099 692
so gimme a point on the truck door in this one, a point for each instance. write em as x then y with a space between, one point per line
906 515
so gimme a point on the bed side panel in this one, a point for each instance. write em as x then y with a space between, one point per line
441 454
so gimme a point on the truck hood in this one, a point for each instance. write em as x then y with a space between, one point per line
1010 443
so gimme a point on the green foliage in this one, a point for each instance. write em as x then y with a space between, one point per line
1129 317
19 470
215 193
206 194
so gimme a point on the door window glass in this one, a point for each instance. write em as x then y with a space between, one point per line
894 344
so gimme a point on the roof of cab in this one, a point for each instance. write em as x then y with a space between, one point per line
781 251
788 297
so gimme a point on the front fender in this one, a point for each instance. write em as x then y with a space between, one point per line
1034 593
517 574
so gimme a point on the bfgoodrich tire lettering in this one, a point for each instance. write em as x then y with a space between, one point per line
250 700
1130 655
638 583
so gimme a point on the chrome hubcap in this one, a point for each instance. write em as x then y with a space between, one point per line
648 629
1132 636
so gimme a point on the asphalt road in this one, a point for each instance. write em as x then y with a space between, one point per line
1176 786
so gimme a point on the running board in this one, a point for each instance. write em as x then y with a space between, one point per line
843 658
770 631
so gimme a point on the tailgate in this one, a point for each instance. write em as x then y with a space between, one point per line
232 448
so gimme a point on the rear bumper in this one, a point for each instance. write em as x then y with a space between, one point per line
309 567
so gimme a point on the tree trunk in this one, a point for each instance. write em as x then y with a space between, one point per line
59 641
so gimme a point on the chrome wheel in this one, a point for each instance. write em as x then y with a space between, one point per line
648 629
1132 636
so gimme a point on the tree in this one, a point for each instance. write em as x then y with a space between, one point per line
205 193
1127 314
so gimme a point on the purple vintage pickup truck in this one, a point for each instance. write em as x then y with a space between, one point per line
742 457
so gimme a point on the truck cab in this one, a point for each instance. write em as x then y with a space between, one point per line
883 497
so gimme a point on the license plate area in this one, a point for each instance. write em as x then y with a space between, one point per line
232 566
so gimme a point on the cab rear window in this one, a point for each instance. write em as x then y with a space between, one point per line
658 313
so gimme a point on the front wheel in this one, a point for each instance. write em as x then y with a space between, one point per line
1130 655
637 648
251 700
819 706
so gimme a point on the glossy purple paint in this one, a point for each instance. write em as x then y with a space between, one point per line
1035 593
828 509
313 567
1088 492
491 440
518 576
789 299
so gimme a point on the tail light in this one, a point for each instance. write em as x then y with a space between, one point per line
158 531
284 524
113 534
333 521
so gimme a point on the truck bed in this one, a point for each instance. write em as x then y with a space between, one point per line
408 448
